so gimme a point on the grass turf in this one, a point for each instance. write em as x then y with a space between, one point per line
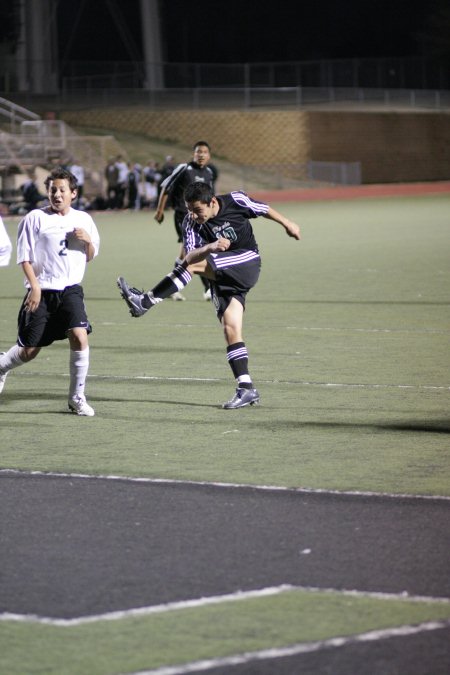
347 333
189 635
348 339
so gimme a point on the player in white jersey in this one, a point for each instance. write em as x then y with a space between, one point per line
53 246
5 245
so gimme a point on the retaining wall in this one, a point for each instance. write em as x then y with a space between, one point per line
391 146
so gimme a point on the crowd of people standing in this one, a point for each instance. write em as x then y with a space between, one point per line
124 185
133 186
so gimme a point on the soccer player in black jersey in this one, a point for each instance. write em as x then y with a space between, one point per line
172 192
220 244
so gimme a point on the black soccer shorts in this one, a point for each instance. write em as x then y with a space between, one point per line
236 272
58 312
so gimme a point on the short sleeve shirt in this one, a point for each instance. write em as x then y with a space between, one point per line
231 222
45 240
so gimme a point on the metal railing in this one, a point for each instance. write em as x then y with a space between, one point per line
380 73
407 73
281 97
43 142
15 114
240 98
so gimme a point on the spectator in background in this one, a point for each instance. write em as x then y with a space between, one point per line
133 179
150 185
5 245
123 170
31 195
78 171
112 183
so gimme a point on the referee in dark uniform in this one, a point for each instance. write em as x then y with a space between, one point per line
220 244
172 193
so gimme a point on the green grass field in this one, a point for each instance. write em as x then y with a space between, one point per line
348 335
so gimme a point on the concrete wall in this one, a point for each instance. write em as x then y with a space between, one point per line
391 146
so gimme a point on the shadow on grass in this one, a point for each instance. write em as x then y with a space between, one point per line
431 427
12 398
415 426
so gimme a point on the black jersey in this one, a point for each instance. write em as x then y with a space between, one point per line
182 176
231 222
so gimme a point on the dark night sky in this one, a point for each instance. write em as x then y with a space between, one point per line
250 30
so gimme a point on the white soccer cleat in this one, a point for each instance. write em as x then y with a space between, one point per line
80 406
2 377
177 296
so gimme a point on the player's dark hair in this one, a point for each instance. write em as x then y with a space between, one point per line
201 143
59 172
198 192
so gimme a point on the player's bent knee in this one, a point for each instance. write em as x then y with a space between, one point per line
29 353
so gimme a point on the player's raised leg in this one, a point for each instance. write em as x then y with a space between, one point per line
140 302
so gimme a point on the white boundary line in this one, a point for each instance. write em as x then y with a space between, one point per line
231 486
213 600
341 329
294 650
301 383
326 329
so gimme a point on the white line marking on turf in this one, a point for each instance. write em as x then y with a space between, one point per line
301 383
327 329
295 650
232 486
343 329
214 600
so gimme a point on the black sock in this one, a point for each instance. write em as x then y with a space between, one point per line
173 282
237 356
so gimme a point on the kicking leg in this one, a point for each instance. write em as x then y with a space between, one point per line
139 302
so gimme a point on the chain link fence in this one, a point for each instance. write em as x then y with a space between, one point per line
408 73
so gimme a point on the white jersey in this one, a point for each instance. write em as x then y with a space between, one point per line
5 246
45 240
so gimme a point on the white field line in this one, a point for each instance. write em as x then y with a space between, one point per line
420 330
326 329
348 329
214 600
329 329
294 650
232 486
301 383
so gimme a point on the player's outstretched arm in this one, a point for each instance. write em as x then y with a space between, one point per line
159 215
292 229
